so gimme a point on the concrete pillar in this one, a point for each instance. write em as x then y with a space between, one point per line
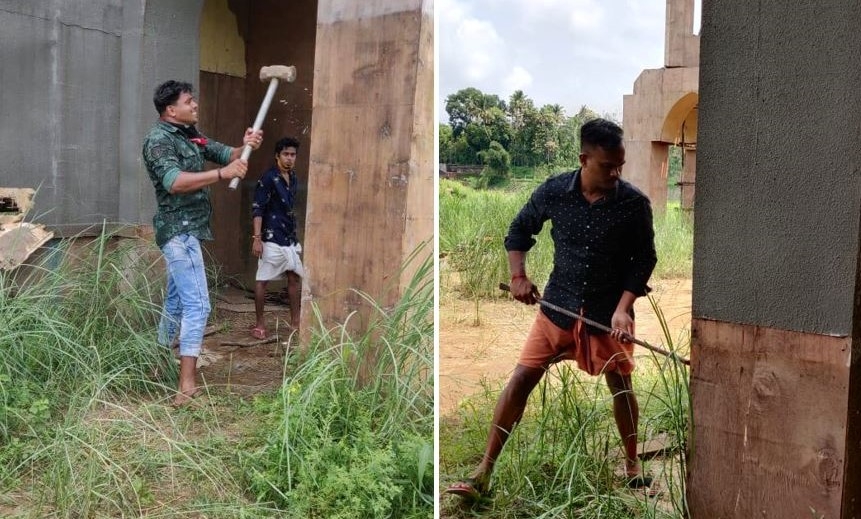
646 168
681 45
370 192
776 326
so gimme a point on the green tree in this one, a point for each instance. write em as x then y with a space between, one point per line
521 112
446 144
471 105
497 163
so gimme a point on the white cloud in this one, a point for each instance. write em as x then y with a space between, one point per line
518 79
567 52
587 17
480 48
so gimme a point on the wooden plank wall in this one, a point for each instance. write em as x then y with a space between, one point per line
370 143
765 443
273 33
418 231
222 117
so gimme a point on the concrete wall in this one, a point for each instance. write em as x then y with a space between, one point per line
77 80
778 187
775 382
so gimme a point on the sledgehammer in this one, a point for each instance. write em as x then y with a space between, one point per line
590 322
274 74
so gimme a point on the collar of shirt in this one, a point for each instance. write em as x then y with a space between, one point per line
576 182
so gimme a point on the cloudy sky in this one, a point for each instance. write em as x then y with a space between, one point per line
567 52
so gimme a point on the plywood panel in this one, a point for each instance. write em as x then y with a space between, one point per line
366 154
420 173
770 422
222 118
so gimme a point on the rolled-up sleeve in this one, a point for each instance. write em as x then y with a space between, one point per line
528 222
643 255
216 152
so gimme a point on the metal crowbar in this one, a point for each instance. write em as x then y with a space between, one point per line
590 322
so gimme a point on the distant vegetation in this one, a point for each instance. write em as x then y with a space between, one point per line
473 224
512 138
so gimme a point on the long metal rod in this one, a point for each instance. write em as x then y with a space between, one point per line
590 322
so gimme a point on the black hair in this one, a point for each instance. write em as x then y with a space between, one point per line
286 142
602 133
168 92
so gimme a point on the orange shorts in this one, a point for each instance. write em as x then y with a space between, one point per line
595 354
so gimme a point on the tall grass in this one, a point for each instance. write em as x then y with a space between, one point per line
472 228
81 321
351 430
85 430
674 242
473 225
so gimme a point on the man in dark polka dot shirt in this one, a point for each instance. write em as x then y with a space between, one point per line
604 255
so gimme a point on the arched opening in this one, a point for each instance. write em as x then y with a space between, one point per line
679 132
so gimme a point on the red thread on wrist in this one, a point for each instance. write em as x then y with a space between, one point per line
518 276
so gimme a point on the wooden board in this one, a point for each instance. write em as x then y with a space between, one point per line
369 195
18 241
769 422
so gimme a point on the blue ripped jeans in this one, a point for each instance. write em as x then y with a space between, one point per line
186 306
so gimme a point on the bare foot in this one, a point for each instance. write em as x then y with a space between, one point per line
184 398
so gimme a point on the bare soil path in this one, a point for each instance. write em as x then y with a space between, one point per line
251 367
482 340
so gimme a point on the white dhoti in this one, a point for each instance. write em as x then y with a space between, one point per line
276 260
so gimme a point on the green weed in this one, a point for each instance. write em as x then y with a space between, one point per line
351 430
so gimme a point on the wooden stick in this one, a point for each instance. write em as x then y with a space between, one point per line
590 322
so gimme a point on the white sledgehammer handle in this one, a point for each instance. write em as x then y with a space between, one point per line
261 114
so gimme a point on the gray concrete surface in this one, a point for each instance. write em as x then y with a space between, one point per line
779 165
76 98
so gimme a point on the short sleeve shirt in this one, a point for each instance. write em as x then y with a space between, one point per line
167 151
274 200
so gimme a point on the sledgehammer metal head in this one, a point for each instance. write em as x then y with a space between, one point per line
273 74
282 72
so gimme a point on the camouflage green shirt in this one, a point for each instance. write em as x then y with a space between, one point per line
166 152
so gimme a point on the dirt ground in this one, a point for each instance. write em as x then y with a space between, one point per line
478 340
234 361
482 340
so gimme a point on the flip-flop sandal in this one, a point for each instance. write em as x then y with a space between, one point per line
467 489
644 483
640 481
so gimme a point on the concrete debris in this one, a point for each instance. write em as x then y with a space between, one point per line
18 239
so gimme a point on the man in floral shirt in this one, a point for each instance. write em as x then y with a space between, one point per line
274 239
174 153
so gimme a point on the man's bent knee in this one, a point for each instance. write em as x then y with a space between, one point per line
524 379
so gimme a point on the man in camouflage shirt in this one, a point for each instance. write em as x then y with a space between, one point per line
174 153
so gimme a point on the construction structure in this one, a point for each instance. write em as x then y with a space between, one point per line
79 102
662 112
775 375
